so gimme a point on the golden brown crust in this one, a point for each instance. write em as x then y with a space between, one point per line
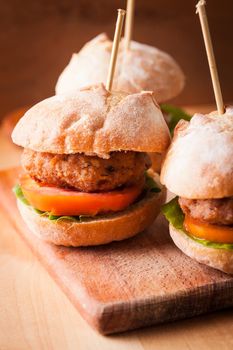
94 121
220 259
86 173
114 227
199 162
143 68
212 211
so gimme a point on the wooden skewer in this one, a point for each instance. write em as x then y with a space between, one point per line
210 55
129 23
115 45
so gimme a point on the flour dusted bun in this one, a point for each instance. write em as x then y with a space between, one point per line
143 68
94 121
199 162
220 259
88 67
112 227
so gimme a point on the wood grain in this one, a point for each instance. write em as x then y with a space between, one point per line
126 285
36 315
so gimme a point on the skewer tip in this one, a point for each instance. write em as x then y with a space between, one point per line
210 55
200 4
116 40
121 11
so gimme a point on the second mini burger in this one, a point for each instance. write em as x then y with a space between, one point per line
198 168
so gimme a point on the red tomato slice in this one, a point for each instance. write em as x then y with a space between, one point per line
213 233
60 201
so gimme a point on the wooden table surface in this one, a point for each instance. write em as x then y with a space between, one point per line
36 315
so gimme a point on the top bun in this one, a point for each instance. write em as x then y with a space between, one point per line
143 68
199 162
94 121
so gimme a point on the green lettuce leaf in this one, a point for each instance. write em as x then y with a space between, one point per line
151 184
174 115
175 216
19 194
173 213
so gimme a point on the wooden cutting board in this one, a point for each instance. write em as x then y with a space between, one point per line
139 282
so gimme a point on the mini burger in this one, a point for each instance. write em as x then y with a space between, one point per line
86 180
143 68
198 168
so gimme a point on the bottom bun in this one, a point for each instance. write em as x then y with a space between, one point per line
220 259
112 227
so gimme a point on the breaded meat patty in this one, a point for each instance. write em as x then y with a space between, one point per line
86 173
213 211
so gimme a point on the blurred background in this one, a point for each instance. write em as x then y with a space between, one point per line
37 38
